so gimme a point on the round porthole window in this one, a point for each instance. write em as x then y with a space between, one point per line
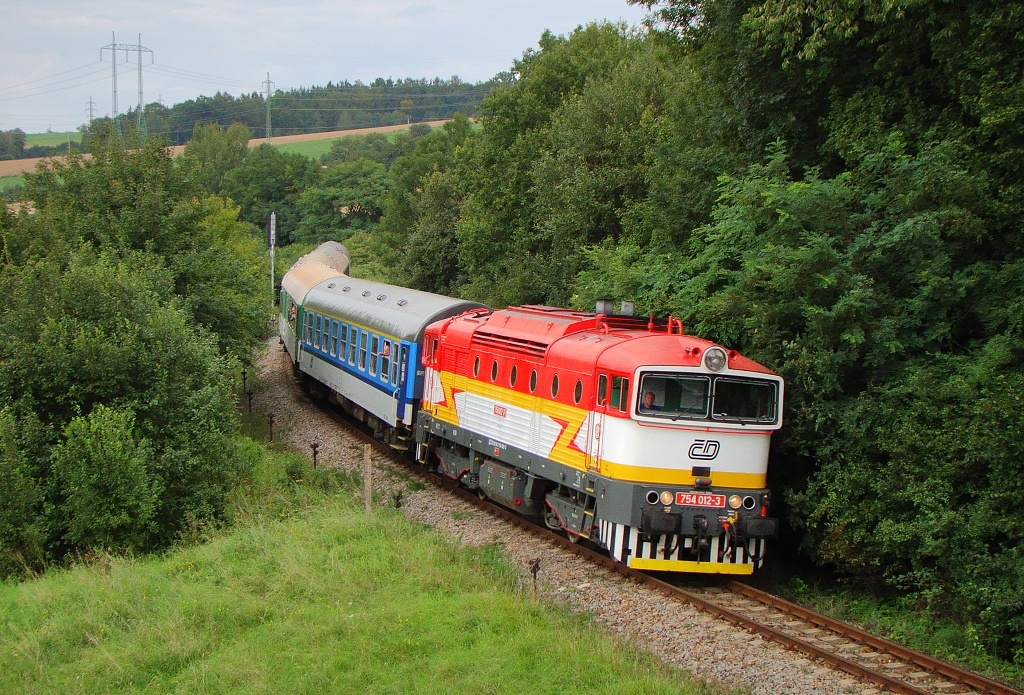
512 376
476 366
494 370
533 381
578 393
554 386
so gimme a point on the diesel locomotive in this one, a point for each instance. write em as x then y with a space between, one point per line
617 429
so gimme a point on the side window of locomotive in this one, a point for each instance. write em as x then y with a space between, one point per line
554 386
476 366
602 389
533 381
494 371
577 394
620 393
433 353
353 335
512 376
362 351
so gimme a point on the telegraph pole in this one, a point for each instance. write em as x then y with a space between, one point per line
114 47
268 85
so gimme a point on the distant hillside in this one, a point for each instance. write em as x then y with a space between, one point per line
318 109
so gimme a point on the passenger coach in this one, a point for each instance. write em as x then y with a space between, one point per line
357 342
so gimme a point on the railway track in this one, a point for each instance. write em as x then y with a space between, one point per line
866 657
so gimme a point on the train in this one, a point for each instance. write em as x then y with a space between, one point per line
615 429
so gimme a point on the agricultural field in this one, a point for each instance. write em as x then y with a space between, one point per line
51 139
9 182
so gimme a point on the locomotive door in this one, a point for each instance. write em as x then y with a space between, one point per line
595 443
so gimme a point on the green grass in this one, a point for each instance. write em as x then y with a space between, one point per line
51 139
9 182
303 593
310 148
324 601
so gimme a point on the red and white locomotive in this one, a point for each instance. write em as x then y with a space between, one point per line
618 429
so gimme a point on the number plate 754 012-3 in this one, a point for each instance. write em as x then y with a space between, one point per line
697 499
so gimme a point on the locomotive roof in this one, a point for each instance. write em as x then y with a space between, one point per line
388 309
582 341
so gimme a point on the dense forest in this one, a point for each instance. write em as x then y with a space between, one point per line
833 190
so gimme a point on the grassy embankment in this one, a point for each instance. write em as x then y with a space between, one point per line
303 593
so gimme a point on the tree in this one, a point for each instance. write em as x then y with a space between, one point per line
109 496
349 197
212 153
271 181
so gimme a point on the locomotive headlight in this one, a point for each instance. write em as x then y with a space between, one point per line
735 501
666 497
715 359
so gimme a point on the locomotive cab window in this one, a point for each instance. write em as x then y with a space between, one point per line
602 390
673 395
744 400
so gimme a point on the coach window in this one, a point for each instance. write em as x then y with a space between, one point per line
342 340
554 386
335 327
374 353
577 395
602 390
385 357
316 331
325 334
362 351
405 361
353 335
494 371
512 376
533 381
476 366
394 365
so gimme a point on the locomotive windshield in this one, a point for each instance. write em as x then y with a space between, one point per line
697 397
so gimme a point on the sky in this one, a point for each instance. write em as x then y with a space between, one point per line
53 61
